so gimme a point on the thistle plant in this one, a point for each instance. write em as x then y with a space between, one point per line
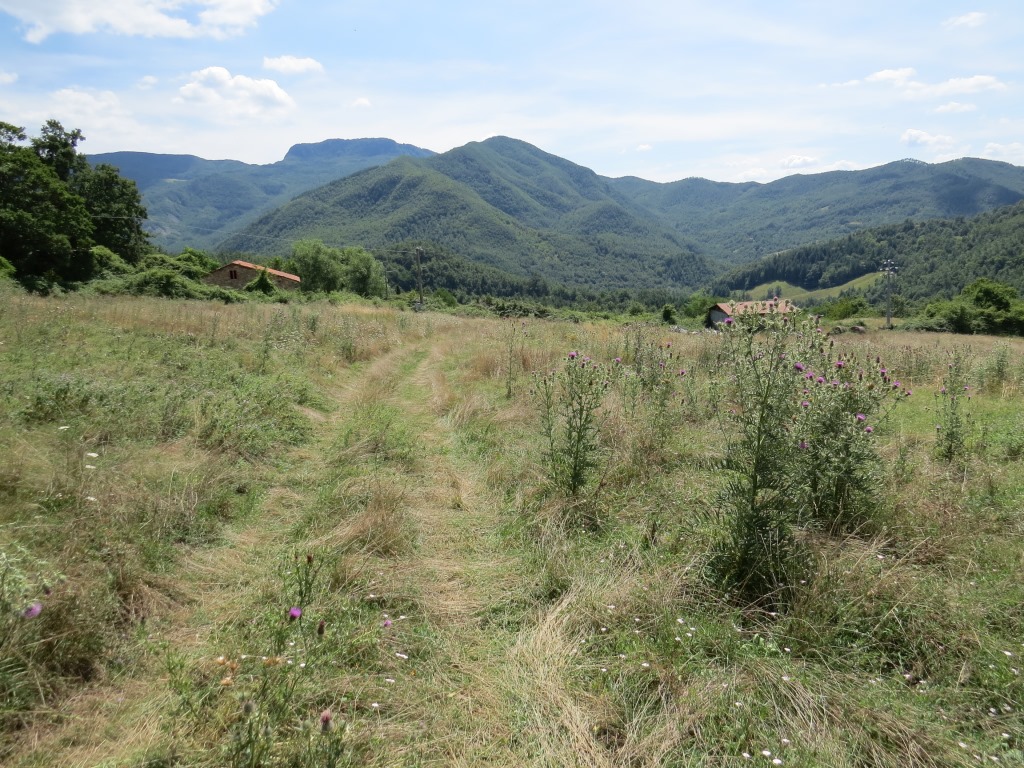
515 342
836 471
758 558
569 401
953 420
802 453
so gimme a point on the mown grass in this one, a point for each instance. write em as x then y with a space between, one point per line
386 474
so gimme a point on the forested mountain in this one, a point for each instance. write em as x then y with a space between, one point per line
196 202
508 204
499 202
505 203
737 223
935 258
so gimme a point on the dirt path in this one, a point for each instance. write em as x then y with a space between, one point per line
499 691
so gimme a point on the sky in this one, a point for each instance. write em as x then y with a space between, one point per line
728 90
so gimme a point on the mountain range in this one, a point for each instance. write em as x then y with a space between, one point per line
507 204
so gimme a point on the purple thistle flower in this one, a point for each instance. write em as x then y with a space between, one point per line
861 417
805 404
573 355
799 366
618 359
869 429
820 379
728 321
802 445
387 623
682 371
325 720
32 611
840 363
294 613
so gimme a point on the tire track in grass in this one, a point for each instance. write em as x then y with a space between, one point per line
116 722
496 694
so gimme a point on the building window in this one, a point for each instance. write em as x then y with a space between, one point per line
233 274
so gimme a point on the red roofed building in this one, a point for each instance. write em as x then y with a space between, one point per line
726 309
239 274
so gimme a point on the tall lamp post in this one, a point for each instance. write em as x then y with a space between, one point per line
889 270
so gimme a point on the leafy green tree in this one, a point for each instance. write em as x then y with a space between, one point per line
363 273
54 208
45 230
116 209
989 294
57 148
321 267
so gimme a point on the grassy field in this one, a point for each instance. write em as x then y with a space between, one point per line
269 535
796 294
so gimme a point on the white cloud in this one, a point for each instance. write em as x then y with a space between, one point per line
955 106
1010 153
148 18
362 101
973 19
915 138
901 79
956 85
147 82
896 76
6 78
644 148
753 174
235 95
292 65
797 161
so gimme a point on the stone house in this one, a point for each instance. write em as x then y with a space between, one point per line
723 310
239 274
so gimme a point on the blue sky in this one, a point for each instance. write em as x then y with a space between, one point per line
730 91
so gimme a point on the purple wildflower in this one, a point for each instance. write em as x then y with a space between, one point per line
805 404
573 355
869 429
325 720
387 623
799 366
802 445
820 379
728 321
861 417
840 363
33 610
294 613
618 359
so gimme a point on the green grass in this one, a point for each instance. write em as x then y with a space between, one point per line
796 294
368 467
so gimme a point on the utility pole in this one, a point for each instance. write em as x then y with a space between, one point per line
889 270
419 274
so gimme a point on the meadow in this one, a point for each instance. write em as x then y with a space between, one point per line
319 535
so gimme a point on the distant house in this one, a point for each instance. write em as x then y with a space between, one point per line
720 312
239 274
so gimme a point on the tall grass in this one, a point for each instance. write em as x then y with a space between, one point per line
316 535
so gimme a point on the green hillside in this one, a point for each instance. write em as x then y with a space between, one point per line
738 223
934 258
502 203
196 202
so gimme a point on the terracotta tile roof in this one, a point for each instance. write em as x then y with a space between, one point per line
286 275
783 306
